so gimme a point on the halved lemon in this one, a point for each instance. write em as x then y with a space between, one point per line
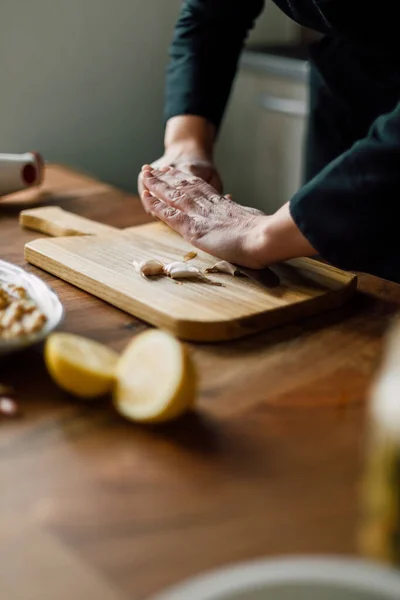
155 379
82 367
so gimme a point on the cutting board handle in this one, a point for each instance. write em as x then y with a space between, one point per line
57 222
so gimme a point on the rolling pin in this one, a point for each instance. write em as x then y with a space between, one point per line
20 171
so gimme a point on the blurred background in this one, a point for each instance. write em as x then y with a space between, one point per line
83 82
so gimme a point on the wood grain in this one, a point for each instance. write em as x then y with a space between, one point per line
269 464
57 222
103 266
35 565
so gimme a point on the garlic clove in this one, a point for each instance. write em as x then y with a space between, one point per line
223 266
175 266
149 268
176 270
178 273
181 270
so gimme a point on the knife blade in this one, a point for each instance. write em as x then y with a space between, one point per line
267 278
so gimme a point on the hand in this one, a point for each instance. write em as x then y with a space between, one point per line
205 218
197 164
214 223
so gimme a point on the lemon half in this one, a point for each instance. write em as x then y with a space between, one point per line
82 367
155 379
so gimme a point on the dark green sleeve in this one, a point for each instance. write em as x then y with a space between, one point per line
207 42
350 212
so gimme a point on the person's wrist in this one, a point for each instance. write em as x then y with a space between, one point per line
189 135
187 150
281 239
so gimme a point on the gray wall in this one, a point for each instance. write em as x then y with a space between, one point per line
83 80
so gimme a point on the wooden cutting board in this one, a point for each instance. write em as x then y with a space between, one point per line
98 259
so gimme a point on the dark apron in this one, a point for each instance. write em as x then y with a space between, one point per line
354 72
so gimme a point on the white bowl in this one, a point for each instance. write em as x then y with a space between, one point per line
42 295
309 578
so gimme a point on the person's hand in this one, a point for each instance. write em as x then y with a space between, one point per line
217 225
208 220
192 163
197 164
189 146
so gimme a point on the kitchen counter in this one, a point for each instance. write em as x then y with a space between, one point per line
289 61
269 464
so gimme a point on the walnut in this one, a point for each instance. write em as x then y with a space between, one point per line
19 315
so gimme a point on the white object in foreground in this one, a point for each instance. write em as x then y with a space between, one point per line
308 578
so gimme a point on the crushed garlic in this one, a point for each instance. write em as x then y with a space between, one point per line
181 270
175 270
19 315
223 266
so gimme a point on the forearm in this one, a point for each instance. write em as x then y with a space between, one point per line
207 42
350 211
282 239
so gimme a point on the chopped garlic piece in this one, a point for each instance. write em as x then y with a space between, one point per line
223 266
181 270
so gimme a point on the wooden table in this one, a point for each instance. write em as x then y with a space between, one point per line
269 466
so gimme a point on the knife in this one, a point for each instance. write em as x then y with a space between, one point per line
267 278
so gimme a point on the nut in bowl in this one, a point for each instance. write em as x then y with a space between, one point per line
29 309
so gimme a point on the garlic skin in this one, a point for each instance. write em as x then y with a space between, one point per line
223 266
149 268
189 256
